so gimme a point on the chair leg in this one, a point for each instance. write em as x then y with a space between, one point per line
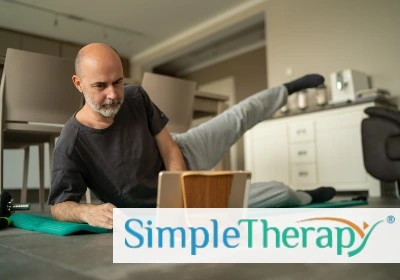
1 150
51 152
41 176
24 189
397 187
88 196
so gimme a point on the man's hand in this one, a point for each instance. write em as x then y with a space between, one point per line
99 215
95 215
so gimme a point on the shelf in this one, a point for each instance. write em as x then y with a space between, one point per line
390 101
208 104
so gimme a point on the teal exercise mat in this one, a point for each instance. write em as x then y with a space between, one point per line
51 226
336 204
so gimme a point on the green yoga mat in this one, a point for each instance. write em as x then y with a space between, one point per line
335 204
51 226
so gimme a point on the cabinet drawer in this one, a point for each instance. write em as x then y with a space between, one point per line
304 174
302 152
302 131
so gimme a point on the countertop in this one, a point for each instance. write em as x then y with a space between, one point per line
390 101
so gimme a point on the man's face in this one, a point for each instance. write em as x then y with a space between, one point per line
108 108
101 82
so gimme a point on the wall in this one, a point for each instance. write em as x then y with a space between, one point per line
24 41
249 73
329 35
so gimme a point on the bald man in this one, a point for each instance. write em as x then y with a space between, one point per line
117 143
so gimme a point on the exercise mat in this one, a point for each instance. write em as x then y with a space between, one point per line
336 204
51 226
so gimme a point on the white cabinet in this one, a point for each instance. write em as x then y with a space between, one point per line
266 152
302 153
310 150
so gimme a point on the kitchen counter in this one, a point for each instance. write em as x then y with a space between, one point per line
390 101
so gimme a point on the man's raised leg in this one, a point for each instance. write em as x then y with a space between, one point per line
205 145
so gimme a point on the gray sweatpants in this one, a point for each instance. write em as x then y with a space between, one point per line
205 145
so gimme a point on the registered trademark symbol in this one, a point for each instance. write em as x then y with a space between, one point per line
390 219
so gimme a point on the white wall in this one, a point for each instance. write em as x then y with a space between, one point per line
329 35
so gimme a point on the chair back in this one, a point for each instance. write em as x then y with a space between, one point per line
37 88
174 97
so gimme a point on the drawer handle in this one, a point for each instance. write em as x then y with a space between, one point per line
303 173
301 131
302 153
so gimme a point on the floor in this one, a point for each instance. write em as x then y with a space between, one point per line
27 255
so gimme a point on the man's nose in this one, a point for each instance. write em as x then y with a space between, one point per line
111 93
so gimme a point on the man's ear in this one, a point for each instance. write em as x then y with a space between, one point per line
77 83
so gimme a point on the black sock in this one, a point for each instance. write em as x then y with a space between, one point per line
307 81
321 194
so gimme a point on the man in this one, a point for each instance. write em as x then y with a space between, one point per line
117 143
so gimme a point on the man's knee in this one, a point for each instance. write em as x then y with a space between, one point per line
271 194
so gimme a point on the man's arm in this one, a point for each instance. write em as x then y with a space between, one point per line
95 215
169 151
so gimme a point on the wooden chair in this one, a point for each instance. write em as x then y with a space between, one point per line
174 97
37 97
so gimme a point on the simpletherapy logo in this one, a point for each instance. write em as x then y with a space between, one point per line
347 235
328 236
260 235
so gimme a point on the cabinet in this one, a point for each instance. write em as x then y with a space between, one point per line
309 150
266 151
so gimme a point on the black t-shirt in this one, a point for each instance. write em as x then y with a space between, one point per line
120 164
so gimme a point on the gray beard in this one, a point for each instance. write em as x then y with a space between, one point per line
106 112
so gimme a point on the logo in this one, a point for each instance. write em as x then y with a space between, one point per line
327 235
255 235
